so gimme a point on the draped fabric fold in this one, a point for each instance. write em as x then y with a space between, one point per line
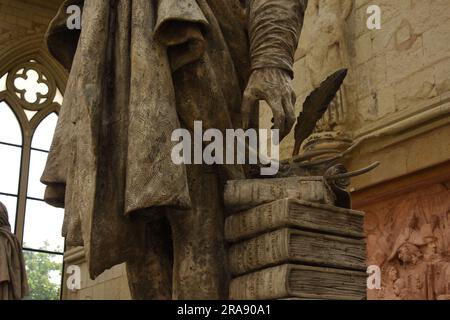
13 276
139 68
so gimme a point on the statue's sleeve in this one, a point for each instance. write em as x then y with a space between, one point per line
274 31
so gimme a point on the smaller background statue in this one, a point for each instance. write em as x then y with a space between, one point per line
13 276
324 47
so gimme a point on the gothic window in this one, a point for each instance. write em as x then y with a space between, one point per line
30 99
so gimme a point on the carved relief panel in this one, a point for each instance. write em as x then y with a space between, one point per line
408 237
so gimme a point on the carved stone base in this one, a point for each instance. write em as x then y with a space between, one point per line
286 247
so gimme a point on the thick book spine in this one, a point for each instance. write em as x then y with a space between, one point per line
267 284
288 245
326 283
266 250
263 218
296 281
245 194
296 214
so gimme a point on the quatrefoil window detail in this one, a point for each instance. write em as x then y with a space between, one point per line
31 86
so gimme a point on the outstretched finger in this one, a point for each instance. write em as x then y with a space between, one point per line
276 106
289 113
248 103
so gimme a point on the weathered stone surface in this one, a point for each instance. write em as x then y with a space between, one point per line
138 71
245 194
295 246
295 281
408 236
282 249
13 275
294 213
381 102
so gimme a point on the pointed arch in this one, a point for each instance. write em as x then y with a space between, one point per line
25 66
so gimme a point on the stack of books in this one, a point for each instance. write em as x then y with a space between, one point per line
288 241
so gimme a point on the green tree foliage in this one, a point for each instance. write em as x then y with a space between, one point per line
42 269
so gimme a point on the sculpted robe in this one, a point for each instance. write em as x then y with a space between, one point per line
139 69
13 275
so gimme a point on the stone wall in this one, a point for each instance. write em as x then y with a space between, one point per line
110 285
403 87
398 88
397 100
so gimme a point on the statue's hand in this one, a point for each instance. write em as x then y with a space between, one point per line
274 86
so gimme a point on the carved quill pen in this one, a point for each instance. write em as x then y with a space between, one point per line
315 106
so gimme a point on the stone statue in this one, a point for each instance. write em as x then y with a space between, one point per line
139 69
324 47
13 276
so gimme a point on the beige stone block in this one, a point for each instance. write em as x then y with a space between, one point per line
107 275
360 3
359 20
86 294
420 15
442 76
85 279
435 146
363 48
368 108
365 85
379 70
112 289
404 61
392 9
416 89
301 82
386 101
439 12
72 295
124 289
436 43
98 291
371 76
89 281
118 271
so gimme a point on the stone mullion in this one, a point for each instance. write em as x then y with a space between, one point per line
23 184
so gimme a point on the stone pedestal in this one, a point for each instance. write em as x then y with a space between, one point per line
289 241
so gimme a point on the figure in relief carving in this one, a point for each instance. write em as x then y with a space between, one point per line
410 233
394 285
13 276
139 70
423 270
